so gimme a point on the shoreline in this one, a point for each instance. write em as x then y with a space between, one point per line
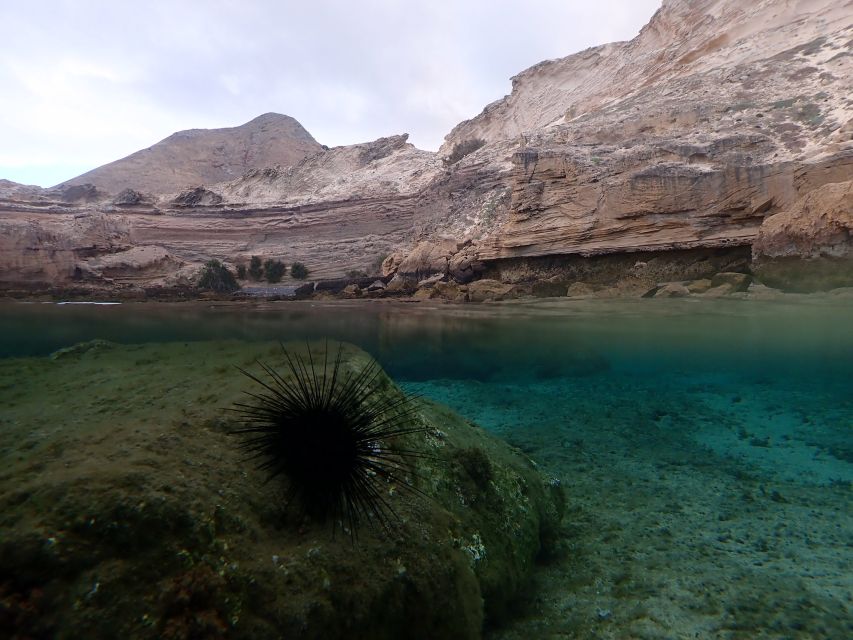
439 292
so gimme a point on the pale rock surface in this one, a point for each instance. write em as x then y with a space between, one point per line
818 224
428 259
50 248
720 127
387 168
717 115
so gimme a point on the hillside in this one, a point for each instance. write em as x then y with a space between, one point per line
205 156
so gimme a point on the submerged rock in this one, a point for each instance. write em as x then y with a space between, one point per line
136 515
736 282
671 290
580 289
77 350
483 290
699 286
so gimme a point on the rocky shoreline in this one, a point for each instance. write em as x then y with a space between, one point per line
683 153
730 284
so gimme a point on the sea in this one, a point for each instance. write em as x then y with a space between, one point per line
706 446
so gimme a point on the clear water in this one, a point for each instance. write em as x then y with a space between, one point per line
707 446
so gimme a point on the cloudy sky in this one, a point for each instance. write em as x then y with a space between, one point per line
88 81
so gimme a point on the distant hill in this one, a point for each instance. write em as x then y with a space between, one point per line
205 156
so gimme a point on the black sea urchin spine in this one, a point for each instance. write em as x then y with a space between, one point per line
333 434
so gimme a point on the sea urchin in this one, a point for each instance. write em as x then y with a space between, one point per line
333 434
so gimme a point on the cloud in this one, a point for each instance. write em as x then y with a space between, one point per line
89 81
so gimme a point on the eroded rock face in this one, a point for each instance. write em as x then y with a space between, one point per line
386 168
719 117
819 224
428 259
817 227
204 547
44 249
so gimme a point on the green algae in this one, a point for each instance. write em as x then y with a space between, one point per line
127 509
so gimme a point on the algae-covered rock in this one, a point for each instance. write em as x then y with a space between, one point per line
127 510
553 287
671 290
483 290
736 282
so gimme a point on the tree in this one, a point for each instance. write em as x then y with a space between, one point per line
299 271
241 271
256 272
215 276
273 270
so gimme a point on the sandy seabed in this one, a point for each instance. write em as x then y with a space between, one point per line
703 505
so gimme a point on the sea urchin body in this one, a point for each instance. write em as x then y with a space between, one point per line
333 434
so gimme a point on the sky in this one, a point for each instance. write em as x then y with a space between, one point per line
85 82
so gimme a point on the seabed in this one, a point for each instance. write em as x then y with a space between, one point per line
705 447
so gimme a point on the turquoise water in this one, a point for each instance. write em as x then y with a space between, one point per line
706 446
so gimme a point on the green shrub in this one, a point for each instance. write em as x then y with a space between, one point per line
354 274
241 271
215 276
256 272
299 271
273 270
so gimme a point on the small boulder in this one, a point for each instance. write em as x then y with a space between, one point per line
197 197
464 266
390 263
698 286
128 197
431 281
580 289
351 291
378 285
672 290
451 291
482 290
399 285
425 293
428 258
736 282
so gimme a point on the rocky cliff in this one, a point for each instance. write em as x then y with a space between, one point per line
721 137
717 117
338 210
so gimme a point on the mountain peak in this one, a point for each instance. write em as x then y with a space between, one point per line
205 156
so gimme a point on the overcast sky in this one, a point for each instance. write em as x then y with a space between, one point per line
85 82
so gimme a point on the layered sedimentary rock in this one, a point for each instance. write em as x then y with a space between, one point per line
338 210
714 131
809 245
717 116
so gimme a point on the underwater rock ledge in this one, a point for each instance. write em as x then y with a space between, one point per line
127 509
